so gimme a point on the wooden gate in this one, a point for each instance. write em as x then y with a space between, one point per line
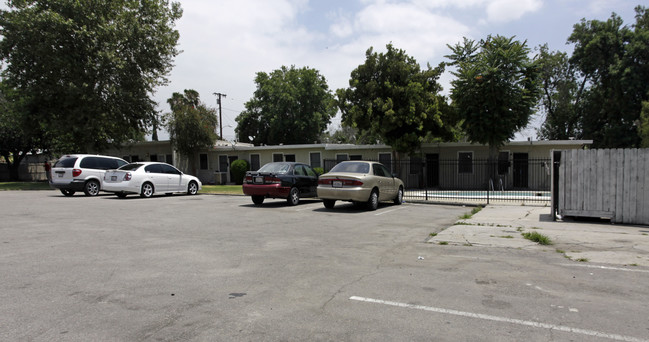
607 183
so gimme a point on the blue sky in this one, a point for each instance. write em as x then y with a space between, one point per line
226 42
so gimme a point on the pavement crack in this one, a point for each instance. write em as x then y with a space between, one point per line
344 286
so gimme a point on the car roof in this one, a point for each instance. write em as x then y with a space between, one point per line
79 155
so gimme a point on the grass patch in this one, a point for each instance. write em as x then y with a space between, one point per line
473 212
443 243
222 189
5 186
432 234
538 238
582 259
506 237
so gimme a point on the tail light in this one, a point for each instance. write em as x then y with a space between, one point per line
76 172
273 180
349 182
248 179
127 176
345 182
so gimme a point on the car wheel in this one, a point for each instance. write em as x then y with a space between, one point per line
258 200
192 188
329 204
293 196
373 201
121 195
147 190
67 193
91 188
399 198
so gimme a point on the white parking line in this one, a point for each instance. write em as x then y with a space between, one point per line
501 319
388 211
606 268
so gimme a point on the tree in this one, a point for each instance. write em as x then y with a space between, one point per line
561 92
390 97
191 125
615 60
18 135
495 90
643 127
88 68
290 106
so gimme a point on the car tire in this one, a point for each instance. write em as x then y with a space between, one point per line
121 195
373 201
91 188
329 204
147 190
257 200
192 188
399 199
293 196
67 193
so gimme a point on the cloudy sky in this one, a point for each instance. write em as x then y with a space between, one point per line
226 42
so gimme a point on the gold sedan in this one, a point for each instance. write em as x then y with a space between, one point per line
359 182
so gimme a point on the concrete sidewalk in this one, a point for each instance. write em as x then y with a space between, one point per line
591 242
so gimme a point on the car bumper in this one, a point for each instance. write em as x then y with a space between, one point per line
75 185
127 188
266 190
344 194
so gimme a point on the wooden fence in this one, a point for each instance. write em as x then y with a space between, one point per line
607 183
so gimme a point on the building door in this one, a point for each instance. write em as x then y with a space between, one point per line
521 169
432 170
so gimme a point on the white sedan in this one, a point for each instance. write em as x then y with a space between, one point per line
148 179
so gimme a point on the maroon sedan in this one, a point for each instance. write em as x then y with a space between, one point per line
288 180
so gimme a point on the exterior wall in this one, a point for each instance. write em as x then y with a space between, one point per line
213 174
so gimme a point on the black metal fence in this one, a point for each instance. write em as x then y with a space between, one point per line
472 181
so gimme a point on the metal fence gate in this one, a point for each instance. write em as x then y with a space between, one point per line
478 181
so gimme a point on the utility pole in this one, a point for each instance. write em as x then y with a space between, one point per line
218 101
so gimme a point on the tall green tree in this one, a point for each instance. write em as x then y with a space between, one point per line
88 68
18 134
290 106
615 60
562 86
390 97
495 89
191 125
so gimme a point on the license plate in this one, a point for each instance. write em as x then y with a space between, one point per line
337 184
259 180
113 178
60 175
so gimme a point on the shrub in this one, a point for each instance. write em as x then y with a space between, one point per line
239 168
318 170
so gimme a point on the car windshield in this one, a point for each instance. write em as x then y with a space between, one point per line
279 168
353 167
130 167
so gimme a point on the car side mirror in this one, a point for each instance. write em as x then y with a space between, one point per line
394 175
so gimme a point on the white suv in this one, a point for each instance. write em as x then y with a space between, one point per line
82 172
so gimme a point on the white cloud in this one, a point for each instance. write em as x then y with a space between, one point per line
500 11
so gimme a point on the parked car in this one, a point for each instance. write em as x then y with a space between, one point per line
360 182
288 180
148 179
82 172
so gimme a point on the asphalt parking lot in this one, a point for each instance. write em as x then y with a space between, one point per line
217 268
